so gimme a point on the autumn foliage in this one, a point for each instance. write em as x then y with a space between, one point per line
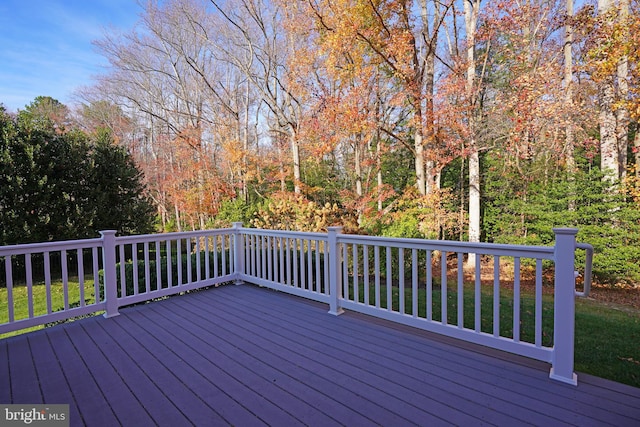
389 117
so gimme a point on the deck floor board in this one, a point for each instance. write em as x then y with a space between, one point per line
249 372
53 384
246 356
465 383
24 384
489 369
88 397
312 361
5 389
385 373
228 409
426 381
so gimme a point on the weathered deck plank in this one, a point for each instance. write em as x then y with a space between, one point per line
241 355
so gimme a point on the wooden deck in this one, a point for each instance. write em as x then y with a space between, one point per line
245 356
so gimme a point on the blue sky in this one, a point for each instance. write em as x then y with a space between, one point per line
45 45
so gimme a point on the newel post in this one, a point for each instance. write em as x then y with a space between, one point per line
335 290
109 268
238 253
564 307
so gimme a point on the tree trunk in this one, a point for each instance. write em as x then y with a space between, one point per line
474 196
295 157
357 154
421 181
570 161
622 113
178 221
471 9
608 141
245 146
380 183
429 89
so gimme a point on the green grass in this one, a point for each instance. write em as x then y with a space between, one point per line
607 336
608 341
527 309
21 306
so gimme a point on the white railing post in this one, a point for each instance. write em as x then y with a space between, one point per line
335 290
238 253
109 268
564 307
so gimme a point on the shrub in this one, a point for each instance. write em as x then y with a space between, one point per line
287 211
416 216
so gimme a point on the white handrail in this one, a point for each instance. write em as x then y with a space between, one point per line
334 268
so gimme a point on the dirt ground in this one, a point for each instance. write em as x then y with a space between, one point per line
629 297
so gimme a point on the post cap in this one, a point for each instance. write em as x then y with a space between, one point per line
567 231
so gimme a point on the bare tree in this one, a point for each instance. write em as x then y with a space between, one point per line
165 70
251 37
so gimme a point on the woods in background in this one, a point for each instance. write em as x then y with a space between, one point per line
470 120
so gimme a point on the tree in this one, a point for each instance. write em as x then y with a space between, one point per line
400 38
253 39
95 114
569 140
471 10
609 158
117 198
347 98
194 105
65 185
46 113
622 93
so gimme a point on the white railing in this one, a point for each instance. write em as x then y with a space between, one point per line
410 281
159 265
107 273
421 283
293 262
51 263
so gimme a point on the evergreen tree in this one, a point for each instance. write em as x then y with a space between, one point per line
58 185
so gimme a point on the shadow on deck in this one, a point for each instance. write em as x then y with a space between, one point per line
242 355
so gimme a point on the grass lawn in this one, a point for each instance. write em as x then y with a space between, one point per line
607 335
608 341
21 307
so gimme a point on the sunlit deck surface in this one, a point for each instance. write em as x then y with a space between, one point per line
244 356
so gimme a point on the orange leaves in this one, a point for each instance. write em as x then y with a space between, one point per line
610 38
183 176
528 76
